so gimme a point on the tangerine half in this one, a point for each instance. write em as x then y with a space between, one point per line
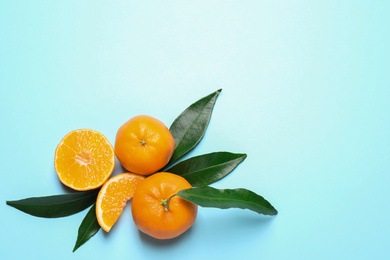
84 159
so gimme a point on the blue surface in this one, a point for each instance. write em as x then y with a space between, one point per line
306 94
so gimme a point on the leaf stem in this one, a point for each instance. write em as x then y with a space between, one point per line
165 203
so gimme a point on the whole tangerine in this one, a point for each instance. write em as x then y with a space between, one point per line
144 145
156 209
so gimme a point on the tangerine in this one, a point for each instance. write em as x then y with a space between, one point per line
144 145
156 210
84 159
113 196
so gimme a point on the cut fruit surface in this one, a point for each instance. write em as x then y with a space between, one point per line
84 159
113 196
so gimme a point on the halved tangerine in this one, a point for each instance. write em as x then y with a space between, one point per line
84 159
113 196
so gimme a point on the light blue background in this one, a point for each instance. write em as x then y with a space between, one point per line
306 94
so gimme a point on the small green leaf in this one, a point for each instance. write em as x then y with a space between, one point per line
228 198
88 228
56 206
189 127
208 168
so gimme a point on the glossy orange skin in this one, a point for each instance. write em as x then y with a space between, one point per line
144 145
151 217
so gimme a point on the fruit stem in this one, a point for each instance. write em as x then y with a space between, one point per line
143 142
165 203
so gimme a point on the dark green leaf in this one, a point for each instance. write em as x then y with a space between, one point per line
189 127
208 168
88 228
224 199
56 206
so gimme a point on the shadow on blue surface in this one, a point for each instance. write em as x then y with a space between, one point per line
163 243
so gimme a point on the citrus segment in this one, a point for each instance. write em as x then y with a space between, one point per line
157 211
84 159
144 145
113 196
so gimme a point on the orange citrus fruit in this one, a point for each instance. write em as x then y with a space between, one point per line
113 196
144 145
84 159
158 213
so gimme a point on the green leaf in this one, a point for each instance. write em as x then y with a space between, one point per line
208 168
189 127
56 206
228 198
88 228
